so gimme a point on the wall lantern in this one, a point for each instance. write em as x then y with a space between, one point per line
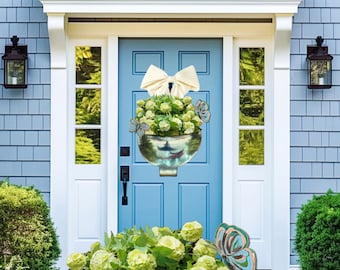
15 65
319 64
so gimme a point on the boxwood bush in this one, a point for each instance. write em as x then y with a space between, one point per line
27 236
317 233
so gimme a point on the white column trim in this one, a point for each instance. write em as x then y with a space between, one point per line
112 142
281 144
59 155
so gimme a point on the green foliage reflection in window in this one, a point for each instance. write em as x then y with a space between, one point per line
88 146
251 147
251 66
88 65
251 107
88 106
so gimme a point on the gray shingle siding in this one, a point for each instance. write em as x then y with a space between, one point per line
315 121
25 114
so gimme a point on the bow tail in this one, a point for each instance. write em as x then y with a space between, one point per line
179 90
161 90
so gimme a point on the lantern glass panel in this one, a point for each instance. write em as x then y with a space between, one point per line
320 72
15 72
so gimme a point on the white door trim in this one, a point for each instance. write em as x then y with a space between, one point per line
59 32
228 146
112 144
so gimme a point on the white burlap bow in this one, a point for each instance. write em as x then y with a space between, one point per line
156 82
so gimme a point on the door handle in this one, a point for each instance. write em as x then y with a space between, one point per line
124 177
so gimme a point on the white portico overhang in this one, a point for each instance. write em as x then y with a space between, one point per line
194 8
208 15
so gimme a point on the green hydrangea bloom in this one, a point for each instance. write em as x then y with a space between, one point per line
177 122
102 259
175 245
140 102
165 107
76 261
204 247
191 231
95 246
164 125
190 108
207 262
150 114
198 121
139 111
189 127
178 105
159 232
139 260
186 117
150 105
187 100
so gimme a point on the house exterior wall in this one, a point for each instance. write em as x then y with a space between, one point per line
25 114
315 121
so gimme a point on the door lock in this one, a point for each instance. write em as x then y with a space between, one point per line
124 177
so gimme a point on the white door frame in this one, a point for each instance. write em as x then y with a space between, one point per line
59 32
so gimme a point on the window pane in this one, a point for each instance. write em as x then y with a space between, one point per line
88 65
16 74
88 106
87 146
251 147
320 72
251 66
251 107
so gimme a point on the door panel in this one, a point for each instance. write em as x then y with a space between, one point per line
195 193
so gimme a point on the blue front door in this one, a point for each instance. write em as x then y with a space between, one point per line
196 192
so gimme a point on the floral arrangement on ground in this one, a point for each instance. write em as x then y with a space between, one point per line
166 115
149 249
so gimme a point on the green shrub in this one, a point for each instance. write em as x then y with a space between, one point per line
318 234
26 230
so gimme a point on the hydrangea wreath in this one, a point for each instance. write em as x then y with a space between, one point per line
149 249
166 115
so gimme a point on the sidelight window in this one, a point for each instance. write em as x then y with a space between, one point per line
251 106
88 105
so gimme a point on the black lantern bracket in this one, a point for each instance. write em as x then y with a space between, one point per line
319 64
15 65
